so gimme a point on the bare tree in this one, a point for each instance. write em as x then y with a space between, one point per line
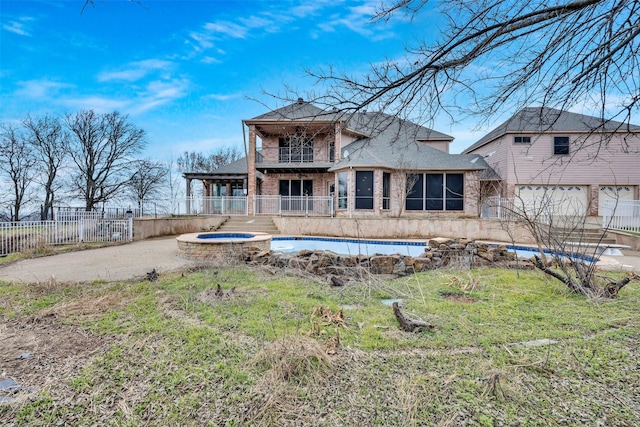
18 164
496 55
193 161
47 137
147 180
101 147
566 252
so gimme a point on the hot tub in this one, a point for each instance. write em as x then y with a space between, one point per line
210 245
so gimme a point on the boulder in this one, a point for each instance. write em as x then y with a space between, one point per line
383 264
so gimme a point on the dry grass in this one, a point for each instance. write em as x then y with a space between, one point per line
89 306
296 359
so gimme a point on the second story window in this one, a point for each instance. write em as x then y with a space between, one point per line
561 145
521 139
295 148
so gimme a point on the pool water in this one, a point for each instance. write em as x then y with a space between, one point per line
225 236
526 252
346 246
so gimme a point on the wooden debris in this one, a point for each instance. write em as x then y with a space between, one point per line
328 316
336 281
408 324
152 275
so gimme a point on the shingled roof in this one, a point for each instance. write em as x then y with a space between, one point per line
398 144
538 120
300 110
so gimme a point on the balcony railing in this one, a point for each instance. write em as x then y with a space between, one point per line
294 155
293 205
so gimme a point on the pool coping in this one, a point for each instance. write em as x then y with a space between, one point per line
258 236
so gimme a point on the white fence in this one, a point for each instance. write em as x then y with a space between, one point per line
223 205
88 228
623 215
293 205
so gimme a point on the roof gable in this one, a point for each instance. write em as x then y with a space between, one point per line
538 120
299 110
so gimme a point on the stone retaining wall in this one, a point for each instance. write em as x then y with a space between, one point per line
441 253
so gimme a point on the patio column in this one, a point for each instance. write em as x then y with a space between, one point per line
337 148
188 198
251 169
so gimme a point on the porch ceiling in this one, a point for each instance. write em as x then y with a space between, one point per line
215 177
283 128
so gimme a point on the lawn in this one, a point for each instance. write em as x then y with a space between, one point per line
508 348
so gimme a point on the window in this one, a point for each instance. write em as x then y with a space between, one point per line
364 190
386 190
296 187
342 190
561 145
295 148
435 192
522 139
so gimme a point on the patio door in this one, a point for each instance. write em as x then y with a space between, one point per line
294 192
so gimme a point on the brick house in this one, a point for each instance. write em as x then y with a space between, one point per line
303 160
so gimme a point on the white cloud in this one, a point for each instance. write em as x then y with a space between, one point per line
158 93
97 103
203 41
40 88
19 26
227 28
211 60
311 7
359 21
135 70
223 97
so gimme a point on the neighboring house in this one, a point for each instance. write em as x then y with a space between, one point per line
312 161
575 160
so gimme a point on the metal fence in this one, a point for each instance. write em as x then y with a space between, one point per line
222 205
623 215
293 205
32 235
497 208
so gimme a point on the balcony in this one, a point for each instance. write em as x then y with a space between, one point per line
294 159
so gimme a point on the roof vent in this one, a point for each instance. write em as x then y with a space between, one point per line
300 101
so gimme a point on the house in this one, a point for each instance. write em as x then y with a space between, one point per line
303 160
575 160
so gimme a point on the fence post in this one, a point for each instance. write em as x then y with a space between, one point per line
81 230
130 229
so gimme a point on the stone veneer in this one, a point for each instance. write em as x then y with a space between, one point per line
191 247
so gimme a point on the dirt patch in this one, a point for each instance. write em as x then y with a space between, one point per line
40 352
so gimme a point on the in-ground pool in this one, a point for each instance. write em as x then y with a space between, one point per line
369 247
527 252
347 246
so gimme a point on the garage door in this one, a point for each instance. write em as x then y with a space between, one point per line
613 192
556 200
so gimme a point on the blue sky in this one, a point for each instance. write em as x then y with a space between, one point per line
188 72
